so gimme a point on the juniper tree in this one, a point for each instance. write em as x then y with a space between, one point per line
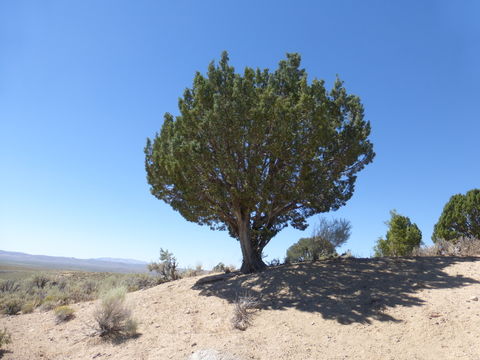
402 237
252 153
460 217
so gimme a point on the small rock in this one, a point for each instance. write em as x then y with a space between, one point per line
194 344
474 298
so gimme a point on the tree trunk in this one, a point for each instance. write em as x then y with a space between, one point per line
252 258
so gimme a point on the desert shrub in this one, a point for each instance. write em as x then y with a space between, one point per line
242 311
458 247
89 287
48 305
40 281
5 337
189 272
61 284
57 296
309 249
139 282
220 267
402 237
12 305
326 236
274 262
8 286
335 231
28 307
63 313
83 291
113 317
166 268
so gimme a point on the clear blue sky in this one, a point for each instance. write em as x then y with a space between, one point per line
84 83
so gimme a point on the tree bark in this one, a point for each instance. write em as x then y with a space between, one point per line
252 257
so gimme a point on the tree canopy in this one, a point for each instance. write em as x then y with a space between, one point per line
460 218
327 235
252 153
402 237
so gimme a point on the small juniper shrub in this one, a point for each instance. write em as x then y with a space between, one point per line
5 337
63 313
114 319
242 311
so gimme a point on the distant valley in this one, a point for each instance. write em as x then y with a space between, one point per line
19 259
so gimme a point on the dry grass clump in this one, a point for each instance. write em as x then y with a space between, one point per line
114 319
460 247
63 313
242 311
28 307
5 338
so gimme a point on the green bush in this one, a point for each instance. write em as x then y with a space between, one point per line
327 235
402 237
460 218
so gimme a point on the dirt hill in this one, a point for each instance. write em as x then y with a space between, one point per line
425 308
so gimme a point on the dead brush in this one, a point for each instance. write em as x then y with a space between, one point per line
243 309
463 246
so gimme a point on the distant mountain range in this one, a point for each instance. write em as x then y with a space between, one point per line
69 263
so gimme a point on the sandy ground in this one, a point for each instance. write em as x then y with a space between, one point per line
341 309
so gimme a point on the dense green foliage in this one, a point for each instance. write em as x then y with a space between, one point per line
402 237
327 235
252 153
460 218
309 249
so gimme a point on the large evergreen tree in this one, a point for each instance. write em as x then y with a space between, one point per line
256 152
460 217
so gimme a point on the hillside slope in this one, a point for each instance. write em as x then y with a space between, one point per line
346 309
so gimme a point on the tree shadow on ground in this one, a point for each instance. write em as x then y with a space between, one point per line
4 351
347 290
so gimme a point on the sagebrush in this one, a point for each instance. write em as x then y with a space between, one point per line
63 313
113 317
242 311
24 290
